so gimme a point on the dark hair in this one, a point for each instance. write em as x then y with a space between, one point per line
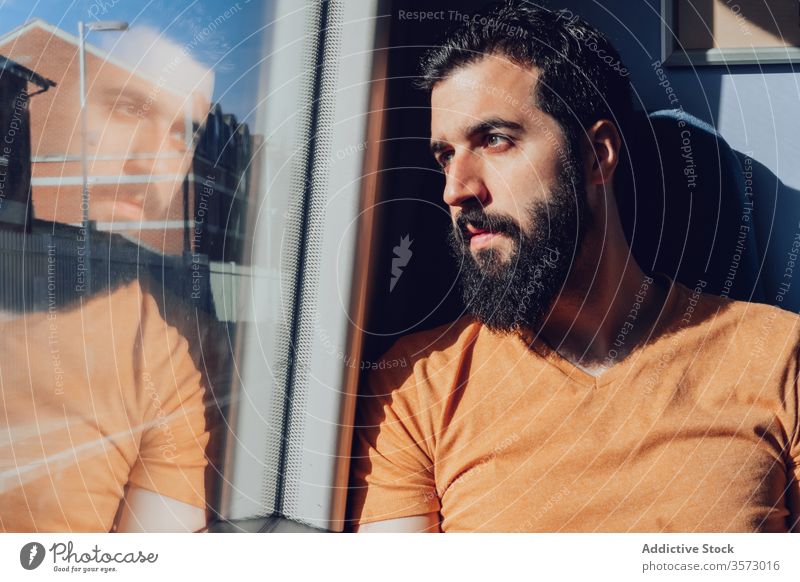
581 80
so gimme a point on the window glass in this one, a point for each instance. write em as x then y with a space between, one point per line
129 187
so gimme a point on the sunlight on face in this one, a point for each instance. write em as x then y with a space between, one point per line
497 149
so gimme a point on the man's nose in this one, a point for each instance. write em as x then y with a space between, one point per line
143 148
465 180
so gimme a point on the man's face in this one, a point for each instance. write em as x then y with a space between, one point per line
514 188
149 135
152 137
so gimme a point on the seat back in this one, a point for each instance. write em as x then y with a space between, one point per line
686 206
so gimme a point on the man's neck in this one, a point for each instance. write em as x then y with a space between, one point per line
607 309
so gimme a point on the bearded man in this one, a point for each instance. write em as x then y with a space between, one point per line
578 393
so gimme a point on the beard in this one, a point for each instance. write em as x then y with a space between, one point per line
508 294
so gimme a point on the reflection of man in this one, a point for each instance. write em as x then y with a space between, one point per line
103 419
152 141
580 394
143 128
103 424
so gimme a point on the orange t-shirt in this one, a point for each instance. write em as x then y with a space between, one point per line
694 431
94 399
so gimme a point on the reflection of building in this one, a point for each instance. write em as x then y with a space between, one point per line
146 182
15 142
221 166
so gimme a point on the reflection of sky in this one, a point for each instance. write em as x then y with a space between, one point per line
231 50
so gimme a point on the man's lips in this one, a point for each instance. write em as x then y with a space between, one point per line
479 237
119 210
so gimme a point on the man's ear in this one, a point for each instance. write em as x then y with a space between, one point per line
602 149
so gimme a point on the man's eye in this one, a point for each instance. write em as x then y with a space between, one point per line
495 140
125 108
444 159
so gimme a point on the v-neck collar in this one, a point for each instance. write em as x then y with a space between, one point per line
666 318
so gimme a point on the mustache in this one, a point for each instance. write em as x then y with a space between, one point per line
481 220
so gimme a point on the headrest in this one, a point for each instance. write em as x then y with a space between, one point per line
685 206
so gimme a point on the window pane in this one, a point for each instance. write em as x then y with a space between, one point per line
180 217
128 194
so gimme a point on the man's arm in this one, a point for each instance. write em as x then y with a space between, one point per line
428 523
392 485
165 491
146 511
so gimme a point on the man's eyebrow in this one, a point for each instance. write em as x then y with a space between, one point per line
115 93
491 124
479 128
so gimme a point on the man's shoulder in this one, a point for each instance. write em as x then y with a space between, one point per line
747 314
443 341
756 324
424 362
